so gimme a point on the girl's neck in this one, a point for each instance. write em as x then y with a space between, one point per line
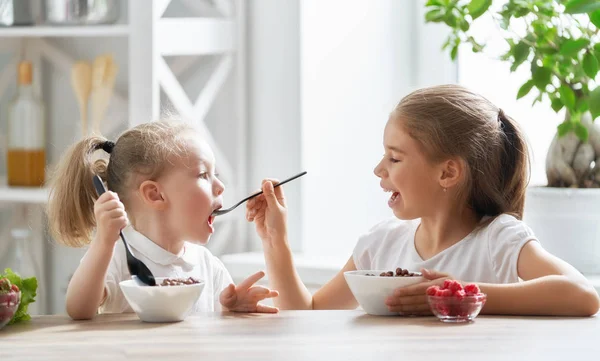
442 230
154 230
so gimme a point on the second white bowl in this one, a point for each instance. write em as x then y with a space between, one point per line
371 291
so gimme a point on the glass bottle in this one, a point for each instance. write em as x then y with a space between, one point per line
26 151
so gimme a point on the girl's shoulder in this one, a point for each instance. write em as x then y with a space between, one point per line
505 226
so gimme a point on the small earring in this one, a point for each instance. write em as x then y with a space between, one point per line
445 189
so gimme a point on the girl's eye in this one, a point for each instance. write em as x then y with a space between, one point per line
393 160
203 175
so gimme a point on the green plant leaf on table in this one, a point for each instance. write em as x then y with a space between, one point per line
28 288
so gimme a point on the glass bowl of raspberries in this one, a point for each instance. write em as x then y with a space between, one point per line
454 303
10 298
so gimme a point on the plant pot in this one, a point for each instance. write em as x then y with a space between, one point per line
567 223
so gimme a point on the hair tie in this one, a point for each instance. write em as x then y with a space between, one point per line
106 146
501 117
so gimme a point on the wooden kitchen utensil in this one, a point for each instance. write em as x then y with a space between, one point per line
81 81
103 81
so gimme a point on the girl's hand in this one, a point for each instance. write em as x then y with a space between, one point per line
268 212
245 297
110 218
412 300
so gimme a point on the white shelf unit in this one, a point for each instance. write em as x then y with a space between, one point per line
65 31
160 51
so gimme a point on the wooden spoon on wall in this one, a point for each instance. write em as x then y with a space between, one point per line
81 81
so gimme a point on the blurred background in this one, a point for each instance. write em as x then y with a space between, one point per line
277 86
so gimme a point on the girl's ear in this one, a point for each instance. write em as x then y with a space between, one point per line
452 172
152 196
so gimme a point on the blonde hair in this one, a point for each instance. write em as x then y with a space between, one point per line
450 121
145 150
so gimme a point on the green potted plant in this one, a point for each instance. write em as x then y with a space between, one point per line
559 41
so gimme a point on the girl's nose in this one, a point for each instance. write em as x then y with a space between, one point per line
378 169
219 187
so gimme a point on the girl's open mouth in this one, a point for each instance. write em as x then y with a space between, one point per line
393 199
210 221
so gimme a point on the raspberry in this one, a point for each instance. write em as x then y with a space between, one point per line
14 288
452 285
445 293
432 290
460 294
443 310
471 289
447 284
439 292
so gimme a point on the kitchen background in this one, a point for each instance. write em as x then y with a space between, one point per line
279 86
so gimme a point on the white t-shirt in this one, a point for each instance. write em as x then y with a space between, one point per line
489 254
194 261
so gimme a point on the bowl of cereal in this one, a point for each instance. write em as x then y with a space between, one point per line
372 287
171 300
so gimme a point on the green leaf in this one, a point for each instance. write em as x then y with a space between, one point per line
557 104
568 96
564 128
590 65
434 15
450 20
434 3
597 51
454 52
581 131
520 53
594 102
595 18
464 25
582 105
582 6
525 89
573 46
28 288
478 7
541 77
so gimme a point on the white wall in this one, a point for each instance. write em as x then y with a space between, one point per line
274 102
355 68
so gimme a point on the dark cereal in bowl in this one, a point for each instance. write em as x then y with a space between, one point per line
399 273
178 281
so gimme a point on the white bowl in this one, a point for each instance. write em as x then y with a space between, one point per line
371 291
161 304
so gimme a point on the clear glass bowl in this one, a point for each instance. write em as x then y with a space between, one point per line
454 309
9 303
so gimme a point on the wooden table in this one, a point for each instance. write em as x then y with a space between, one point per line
302 335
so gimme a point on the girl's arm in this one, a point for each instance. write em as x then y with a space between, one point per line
268 212
551 287
86 290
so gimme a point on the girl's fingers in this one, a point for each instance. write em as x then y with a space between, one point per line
266 309
248 282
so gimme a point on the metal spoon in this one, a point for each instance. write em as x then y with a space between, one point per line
220 212
139 271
